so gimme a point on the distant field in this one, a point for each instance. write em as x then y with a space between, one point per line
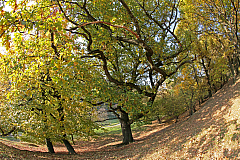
109 122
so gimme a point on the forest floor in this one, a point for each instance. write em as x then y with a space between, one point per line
213 132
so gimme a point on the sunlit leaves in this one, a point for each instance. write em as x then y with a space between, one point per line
131 48
46 88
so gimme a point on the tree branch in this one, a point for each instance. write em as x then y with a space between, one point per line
8 133
160 25
108 23
132 17
111 79
53 46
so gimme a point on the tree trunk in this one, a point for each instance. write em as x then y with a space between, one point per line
208 77
159 120
177 119
191 111
126 128
69 146
192 105
50 145
236 64
230 62
72 139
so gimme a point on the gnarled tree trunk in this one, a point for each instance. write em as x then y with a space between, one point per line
126 128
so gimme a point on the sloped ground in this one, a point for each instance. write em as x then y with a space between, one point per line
213 132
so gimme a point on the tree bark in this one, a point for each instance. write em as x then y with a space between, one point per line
126 128
192 105
72 139
208 77
159 120
50 145
236 64
69 146
230 62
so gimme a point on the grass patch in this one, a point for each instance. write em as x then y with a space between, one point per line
10 138
109 122
114 129
109 130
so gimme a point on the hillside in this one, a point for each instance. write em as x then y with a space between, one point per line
213 132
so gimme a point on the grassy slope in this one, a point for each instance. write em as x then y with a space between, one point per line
213 132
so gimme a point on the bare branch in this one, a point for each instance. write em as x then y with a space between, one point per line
53 46
113 110
108 23
74 32
160 25
65 15
181 64
132 17
115 81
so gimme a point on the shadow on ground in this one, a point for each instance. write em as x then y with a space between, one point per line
212 132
